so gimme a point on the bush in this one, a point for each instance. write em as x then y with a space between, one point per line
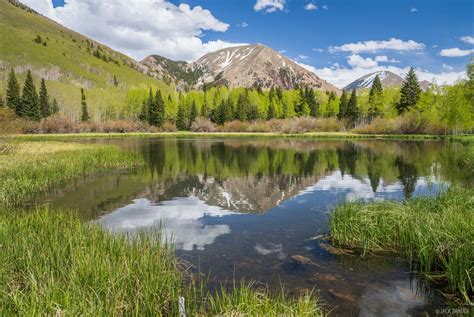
203 125
235 126
412 123
379 126
58 124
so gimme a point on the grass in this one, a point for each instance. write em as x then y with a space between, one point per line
52 264
183 134
30 168
436 233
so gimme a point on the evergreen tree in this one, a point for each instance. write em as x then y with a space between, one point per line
375 98
193 113
271 111
85 113
253 112
409 93
352 110
54 107
115 81
157 111
146 104
228 110
242 108
343 102
29 100
181 117
312 103
13 99
44 100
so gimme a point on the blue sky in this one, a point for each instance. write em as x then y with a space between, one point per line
436 37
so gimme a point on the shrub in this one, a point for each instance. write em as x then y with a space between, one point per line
235 126
412 123
203 125
169 127
58 124
379 126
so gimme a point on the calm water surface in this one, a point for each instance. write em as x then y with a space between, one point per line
245 208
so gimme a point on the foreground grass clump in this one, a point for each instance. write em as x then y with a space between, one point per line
52 264
437 233
29 168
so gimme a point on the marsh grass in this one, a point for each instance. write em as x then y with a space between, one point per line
31 168
52 264
436 233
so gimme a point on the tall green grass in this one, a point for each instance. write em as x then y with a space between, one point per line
30 168
52 264
436 233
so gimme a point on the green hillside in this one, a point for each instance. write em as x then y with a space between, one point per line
69 61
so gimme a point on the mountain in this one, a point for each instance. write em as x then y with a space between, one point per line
67 61
387 78
241 66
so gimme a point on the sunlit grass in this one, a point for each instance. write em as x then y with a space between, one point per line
52 264
435 233
30 168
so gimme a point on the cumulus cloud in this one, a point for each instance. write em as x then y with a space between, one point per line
325 7
319 50
139 28
310 6
243 24
413 10
302 56
374 46
455 52
360 62
269 5
467 39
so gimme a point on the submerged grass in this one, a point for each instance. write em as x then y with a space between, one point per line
437 233
30 168
52 264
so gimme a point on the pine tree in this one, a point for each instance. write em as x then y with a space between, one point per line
352 110
271 111
193 113
312 103
44 100
54 107
13 99
29 100
85 114
143 116
228 110
409 93
242 108
181 118
375 98
342 114
159 110
115 81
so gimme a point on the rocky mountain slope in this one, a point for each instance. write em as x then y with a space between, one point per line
241 66
387 78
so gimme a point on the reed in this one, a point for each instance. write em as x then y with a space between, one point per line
30 168
435 233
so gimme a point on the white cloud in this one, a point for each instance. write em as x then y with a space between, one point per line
302 56
447 67
360 62
467 39
455 52
139 28
310 6
319 50
269 5
325 7
282 51
412 10
243 24
374 46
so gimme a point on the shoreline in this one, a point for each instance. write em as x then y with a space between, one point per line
311 135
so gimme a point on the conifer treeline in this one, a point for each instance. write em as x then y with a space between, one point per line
28 104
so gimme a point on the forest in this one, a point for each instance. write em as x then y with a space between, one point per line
404 110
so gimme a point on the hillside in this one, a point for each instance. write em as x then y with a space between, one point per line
68 61
242 66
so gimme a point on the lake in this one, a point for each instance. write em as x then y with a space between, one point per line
257 209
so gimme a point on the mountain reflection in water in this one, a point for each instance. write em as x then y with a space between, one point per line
244 209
